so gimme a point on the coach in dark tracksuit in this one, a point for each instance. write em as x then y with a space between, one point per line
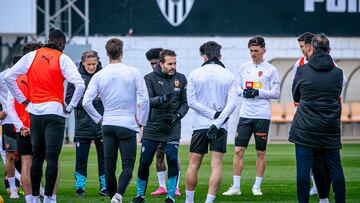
168 105
316 126
85 128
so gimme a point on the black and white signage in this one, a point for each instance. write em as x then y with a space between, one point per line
175 11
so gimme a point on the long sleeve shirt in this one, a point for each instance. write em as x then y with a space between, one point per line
11 111
263 77
69 72
3 97
120 88
211 88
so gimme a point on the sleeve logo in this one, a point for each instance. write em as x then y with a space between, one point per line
255 85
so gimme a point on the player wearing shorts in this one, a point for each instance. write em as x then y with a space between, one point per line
21 119
8 138
211 93
258 83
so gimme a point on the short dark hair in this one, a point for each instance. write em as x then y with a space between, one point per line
153 53
164 53
31 46
321 42
89 54
114 48
306 37
211 49
57 35
257 41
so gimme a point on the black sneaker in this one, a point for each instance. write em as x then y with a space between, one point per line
103 192
80 192
138 199
169 200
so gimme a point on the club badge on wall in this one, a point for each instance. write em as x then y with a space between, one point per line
175 11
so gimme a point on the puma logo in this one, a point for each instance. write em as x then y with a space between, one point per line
161 82
46 59
25 83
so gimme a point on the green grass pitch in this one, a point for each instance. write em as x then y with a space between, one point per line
279 183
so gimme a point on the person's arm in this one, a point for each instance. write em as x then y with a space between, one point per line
143 99
293 71
11 111
296 86
229 106
194 104
69 94
274 92
183 109
239 83
345 80
154 100
344 76
90 94
20 68
72 75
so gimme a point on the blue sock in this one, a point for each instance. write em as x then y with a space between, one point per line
80 181
140 187
172 186
102 181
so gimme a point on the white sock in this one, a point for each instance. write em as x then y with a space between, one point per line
36 199
12 183
53 197
189 196
178 181
18 176
236 182
210 198
118 196
28 198
162 178
313 182
325 200
47 199
257 183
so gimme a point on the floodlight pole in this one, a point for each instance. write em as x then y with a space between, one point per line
55 21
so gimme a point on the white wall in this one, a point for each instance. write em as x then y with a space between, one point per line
234 49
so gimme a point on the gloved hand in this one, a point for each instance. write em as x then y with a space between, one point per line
165 98
172 118
212 133
250 93
217 114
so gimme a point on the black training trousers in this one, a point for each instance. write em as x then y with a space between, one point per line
118 138
47 135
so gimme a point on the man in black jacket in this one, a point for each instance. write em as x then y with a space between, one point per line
168 105
316 126
86 130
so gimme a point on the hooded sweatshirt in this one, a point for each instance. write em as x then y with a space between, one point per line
317 87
